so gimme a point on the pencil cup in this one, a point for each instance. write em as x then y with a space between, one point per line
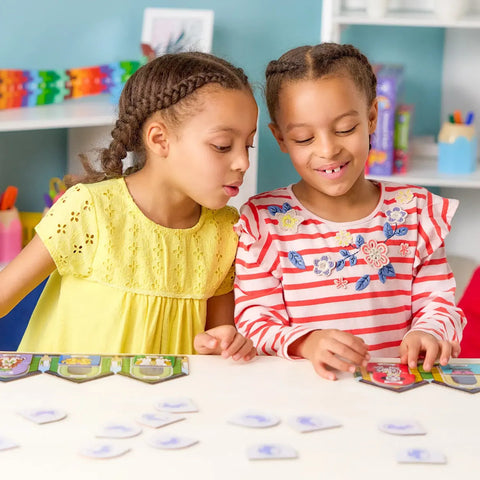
457 148
10 235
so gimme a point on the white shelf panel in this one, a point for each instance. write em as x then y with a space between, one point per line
423 171
406 19
83 112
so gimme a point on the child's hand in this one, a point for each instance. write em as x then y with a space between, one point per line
224 340
418 342
332 348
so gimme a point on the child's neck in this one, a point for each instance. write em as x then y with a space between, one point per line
160 203
359 202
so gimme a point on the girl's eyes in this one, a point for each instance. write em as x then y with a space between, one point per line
345 132
304 141
222 148
337 132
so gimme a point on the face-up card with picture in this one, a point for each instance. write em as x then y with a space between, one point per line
254 419
119 430
396 377
176 405
157 420
399 426
461 376
43 415
80 368
7 443
104 450
153 368
14 366
310 423
420 455
170 442
271 451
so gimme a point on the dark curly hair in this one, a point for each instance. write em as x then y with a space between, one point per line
169 84
313 62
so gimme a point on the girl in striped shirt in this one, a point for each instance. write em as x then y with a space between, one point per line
337 267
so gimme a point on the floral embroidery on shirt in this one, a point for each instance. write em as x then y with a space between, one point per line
77 248
340 282
375 253
288 218
89 238
404 196
343 238
61 228
404 249
74 216
396 215
323 265
296 259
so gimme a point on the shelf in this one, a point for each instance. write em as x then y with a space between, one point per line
82 112
423 171
405 19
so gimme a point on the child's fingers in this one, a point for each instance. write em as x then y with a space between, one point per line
431 354
321 370
445 352
205 343
456 349
245 351
413 351
346 352
234 346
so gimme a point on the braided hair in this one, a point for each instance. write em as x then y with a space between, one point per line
167 84
313 62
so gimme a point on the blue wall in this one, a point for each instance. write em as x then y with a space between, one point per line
67 33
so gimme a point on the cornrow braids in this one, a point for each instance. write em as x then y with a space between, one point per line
168 84
314 62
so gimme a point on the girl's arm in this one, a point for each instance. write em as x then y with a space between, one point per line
27 270
434 313
221 336
260 311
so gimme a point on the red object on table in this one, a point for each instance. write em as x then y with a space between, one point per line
470 304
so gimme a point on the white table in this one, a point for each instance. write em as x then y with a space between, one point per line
222 388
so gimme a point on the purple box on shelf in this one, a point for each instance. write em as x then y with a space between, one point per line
389 82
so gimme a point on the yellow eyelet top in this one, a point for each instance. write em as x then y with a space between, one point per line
123 283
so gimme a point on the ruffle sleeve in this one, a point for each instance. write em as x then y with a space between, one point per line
69 231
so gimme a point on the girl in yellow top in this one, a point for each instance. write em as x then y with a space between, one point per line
140 261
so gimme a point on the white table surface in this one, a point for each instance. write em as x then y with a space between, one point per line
222 388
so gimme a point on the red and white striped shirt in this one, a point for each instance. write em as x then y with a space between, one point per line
378 277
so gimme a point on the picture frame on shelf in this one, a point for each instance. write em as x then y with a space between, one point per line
170 30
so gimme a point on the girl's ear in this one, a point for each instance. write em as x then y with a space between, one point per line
157 138
278 136
372 117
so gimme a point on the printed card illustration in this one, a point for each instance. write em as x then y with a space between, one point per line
7 443
420 455
465 376
271 451
157 420
104 450
80 368
311 423
14 366
170 442
398 426
154 368
43 415
254 419
119 430
176 405
391 376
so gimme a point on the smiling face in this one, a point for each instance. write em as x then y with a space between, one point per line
324 125
208 151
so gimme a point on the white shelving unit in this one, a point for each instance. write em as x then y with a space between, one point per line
89 122
460 81
83 112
